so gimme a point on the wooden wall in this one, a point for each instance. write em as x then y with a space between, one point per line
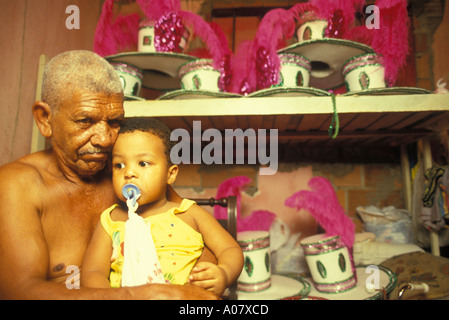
30 28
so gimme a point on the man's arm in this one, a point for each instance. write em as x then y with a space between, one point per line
23 248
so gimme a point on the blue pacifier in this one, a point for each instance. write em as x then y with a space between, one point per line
131 192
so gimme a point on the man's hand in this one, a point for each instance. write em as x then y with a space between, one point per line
156 291
209 276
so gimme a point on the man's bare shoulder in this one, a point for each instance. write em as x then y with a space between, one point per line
25 172
29 164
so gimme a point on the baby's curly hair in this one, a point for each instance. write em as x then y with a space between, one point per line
150 125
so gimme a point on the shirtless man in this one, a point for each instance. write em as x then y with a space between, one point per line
50 201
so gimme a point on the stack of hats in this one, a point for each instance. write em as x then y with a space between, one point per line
345 56
316 48
160 33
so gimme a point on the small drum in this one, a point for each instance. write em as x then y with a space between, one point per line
329 263
256 273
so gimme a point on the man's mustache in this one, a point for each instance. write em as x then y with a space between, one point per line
93 151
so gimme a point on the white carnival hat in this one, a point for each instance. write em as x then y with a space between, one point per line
199 79
264 71
131 79
162 39
321 37
365 75
294 79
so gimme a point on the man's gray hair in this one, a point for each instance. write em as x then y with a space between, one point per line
76 70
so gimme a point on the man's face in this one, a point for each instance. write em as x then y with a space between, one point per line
84 130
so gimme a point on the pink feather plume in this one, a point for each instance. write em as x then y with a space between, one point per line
257 220
300 10
243 82
348 8
322 203
391 39
274 29
326 10
154 9
230 187
199 27
221 37
115 34
276 26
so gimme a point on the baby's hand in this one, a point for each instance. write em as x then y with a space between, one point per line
209 276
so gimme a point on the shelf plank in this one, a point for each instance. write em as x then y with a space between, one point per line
287 105
380 121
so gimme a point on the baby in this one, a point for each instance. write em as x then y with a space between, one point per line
141 156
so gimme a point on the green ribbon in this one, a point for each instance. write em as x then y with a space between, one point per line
335 123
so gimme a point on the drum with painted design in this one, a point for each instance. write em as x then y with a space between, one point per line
256 273
329 263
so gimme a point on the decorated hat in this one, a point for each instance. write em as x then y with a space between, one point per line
117 33
294 76
199 79
323 37
131 79
260 71
365 75
116 38
209 75
389 38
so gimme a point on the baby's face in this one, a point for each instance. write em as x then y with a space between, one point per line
138 158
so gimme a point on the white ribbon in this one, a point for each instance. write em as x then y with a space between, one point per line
141 264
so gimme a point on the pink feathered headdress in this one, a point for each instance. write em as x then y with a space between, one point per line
116 34
322 203
256 63
274 29
391 40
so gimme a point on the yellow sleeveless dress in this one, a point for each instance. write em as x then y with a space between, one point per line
178 246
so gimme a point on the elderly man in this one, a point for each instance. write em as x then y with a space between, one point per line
50 201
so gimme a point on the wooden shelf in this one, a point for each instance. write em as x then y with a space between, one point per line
387 120
287 105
